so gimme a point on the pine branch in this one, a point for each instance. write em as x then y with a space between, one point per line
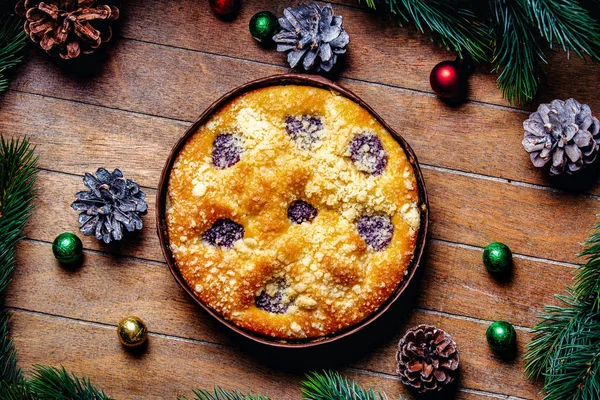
332 386
447 23
566 346
587 278
518 55
17 176
12 41
222 394
50 383
567 23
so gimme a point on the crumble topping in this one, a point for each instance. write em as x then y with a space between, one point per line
293 212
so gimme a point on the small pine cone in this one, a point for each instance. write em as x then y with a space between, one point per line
68 28
313 35
112 206
427 359
562 136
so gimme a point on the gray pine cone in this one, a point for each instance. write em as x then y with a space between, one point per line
562 136
113 204
313 35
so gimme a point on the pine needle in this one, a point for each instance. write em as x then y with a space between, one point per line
565 349
222 394
12 41
332 386
518 55
447 23
566 23
49 383
17 176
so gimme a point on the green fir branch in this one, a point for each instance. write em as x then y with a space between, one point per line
566 23
332 386
12 41
565 349
446 22
587 278
222 394
518 55
17 176
50 383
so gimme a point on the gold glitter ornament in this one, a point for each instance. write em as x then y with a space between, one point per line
132 331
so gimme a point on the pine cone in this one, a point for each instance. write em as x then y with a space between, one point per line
111 204
427 359
68 28
564 132
313 34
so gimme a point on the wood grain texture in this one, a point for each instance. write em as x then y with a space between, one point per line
379 50
127 107
468 289
465 209
180 84
74 344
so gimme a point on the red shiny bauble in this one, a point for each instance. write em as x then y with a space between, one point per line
224 7
448 80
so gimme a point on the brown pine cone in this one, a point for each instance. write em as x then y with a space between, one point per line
427 359
68 28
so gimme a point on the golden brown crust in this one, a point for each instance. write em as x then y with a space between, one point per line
327 277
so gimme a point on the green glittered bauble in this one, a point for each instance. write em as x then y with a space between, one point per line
501 336
67 248
263 26
497 258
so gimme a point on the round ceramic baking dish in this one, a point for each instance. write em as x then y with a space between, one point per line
161 206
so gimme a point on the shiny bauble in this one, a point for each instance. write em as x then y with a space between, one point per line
132 331
224 8
501 336
67 248
497 258
448 80
263 26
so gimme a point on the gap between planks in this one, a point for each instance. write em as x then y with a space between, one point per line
437 240
513 109
360 371
164 265
186 123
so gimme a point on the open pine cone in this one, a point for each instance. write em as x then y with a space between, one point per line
562 136
112 205
427 359
313 35
68 28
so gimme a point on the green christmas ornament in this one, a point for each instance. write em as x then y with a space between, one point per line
67 248
497 258
501 336
263 26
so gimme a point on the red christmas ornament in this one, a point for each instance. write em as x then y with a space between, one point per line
224 7
448 79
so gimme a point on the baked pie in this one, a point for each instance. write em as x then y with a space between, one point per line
292 212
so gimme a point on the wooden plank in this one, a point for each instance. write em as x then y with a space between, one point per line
94 351
464 209
401 57
468 289
107 288
164 370
180 84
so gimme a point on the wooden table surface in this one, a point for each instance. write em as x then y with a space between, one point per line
170 61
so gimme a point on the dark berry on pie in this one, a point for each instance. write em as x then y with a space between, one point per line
305 130
368 154
300 211
227 150
223 233
273 302
376 231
